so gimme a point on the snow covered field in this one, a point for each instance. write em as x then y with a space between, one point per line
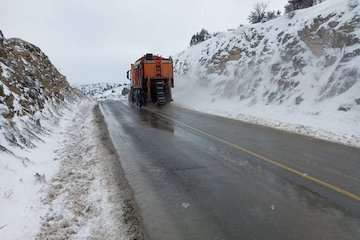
69 186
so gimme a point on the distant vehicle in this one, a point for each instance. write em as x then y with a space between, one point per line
152 78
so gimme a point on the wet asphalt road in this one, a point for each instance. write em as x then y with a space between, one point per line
198 176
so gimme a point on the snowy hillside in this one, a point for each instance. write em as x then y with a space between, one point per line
34 100
31 90
103 91
298 73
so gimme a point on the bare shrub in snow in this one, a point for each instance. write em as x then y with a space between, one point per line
298 4
201 36
260 13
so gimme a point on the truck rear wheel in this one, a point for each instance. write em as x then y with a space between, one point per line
139 97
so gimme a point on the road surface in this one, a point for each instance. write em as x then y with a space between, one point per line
199 176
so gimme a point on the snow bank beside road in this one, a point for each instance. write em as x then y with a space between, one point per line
328 127
70 186
89 197
23 177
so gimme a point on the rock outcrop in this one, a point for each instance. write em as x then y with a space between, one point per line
30 86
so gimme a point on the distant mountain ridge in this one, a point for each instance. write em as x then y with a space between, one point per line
105 90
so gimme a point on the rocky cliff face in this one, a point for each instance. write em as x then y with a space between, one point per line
28 78
307 63
30 88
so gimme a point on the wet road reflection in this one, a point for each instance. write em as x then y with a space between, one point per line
154 121
188 186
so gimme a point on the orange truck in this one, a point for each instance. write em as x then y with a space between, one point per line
152 78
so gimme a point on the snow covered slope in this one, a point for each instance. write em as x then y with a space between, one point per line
31 90
301 73
34 101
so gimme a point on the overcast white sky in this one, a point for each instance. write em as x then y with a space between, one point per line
95 41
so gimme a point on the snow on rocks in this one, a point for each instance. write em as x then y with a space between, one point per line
32 90
299 74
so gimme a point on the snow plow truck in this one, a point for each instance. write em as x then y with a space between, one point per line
152 78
